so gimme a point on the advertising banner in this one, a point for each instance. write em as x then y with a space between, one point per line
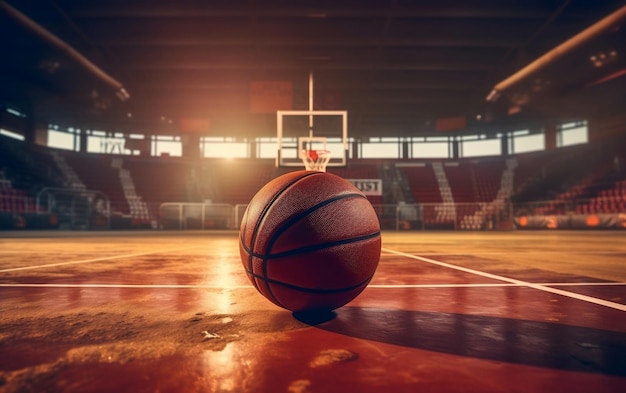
572 221
368 186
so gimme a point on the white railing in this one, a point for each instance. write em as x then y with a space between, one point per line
187 215
466 216
75 208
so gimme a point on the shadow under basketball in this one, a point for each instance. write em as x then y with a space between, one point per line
315 317
533 343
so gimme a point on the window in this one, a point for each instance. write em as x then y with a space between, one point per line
481 147
432 148
166 145
266 147
523 142
223 147
11 134
105 144
380 150
67 140
111 143
15 112
572 134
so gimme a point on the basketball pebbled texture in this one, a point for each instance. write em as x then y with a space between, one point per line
310 241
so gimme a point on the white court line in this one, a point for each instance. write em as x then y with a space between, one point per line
15 269
472 252
574 284
493 285
124 286
195 286
539 287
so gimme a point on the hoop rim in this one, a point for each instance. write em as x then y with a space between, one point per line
320 152
319 164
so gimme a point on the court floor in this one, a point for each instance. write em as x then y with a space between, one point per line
445 312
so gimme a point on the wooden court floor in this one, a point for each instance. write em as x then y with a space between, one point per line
445 312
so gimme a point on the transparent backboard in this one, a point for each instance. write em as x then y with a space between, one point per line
311 130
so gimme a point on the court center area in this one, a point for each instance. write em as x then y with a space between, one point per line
173 311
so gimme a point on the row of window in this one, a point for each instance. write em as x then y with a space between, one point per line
265 147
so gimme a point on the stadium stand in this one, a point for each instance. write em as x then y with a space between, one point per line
14 200
423 183
95 172
488 175
459 194
462 181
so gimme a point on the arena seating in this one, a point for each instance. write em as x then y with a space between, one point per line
462 181
14 200
96 173
466 187
461 193
423 183
607 200
576 179
488 175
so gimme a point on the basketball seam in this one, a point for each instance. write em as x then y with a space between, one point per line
313 290
262 217
291 222
317 247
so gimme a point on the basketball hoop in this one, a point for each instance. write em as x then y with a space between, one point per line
315 160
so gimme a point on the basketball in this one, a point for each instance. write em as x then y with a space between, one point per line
310 241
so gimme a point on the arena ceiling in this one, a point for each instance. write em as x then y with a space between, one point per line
398 67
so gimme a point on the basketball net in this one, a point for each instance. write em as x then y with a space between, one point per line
315 160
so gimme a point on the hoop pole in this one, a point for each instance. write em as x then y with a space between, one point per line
279 136
311 104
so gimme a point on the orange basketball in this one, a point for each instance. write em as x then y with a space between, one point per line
310 241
